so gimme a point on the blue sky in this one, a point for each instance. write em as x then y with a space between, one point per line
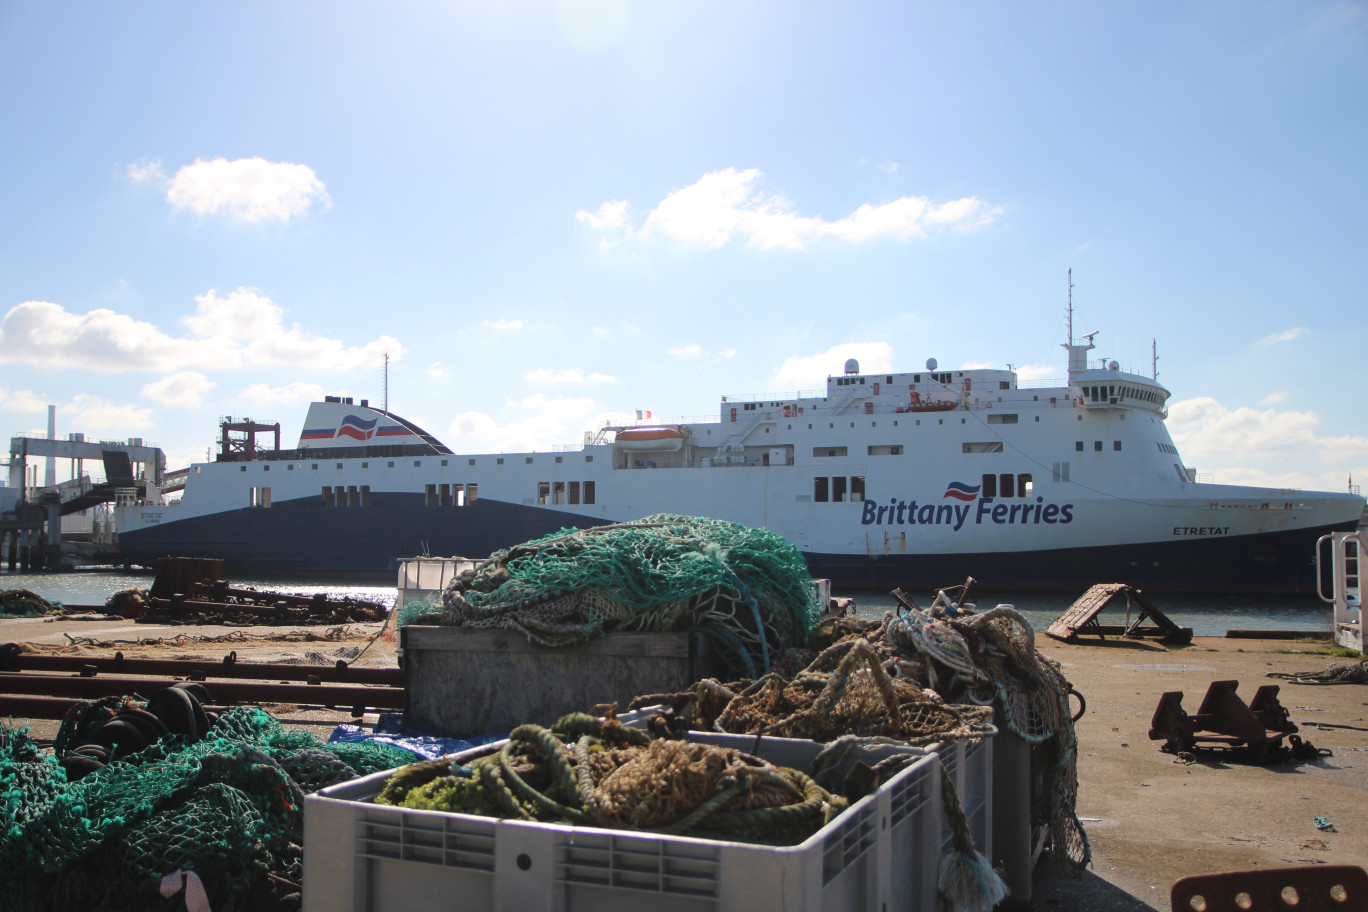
550 215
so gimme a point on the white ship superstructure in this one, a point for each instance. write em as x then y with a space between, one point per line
882 479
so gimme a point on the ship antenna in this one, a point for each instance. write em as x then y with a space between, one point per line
386 385
1070 310
1154 359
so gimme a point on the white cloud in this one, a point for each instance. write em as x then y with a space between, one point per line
46 335
729 353
145 171
568 375
548 421
240 328
435 370
93 413
1287 335
607 215
727 204
184 389
265 394
21 401
1204 429
1274 398
246 189
1035 371
241 314
687 351
502 325
811 371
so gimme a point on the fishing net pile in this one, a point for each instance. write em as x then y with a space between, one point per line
596 772
23 603
222 813
920 677
748 589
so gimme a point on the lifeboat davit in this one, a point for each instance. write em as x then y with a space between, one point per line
650 438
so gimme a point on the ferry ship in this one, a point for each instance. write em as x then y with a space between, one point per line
884 479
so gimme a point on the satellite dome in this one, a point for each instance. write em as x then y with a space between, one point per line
1113 365
930 364
852 366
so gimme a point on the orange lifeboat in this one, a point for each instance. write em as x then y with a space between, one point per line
930 405
650 438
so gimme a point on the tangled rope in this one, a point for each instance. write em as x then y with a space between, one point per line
1342 673
594 772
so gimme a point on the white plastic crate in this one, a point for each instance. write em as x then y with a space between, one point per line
880 855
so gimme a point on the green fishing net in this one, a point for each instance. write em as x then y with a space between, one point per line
228 807
748 589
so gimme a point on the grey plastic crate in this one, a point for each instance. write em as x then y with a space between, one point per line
969 764
880 855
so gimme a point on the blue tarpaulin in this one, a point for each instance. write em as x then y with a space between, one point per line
424 740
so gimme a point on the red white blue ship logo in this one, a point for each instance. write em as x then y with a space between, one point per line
355 427
961 491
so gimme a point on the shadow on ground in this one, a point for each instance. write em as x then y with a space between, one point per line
1088 893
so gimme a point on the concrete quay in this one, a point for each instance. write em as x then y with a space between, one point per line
1151 819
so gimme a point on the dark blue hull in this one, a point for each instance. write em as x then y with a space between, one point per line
302 538
1275 563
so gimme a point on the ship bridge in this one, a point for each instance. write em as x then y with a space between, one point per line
1111 388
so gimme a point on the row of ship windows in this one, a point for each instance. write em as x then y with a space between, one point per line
443 495
1113 393
417 463
841 488
565 492
1097 446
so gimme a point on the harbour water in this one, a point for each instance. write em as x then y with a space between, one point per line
1206 615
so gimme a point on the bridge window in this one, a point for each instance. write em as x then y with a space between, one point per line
543 492
838 489
558 492
857 488
989 483
472 494
574 492
588 492
261 497
820 489
328 496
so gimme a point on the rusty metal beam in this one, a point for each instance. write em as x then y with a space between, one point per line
49 707
91 688
339 672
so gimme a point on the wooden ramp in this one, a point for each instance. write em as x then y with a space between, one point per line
1081 617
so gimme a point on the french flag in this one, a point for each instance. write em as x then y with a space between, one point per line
641 415
961 491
